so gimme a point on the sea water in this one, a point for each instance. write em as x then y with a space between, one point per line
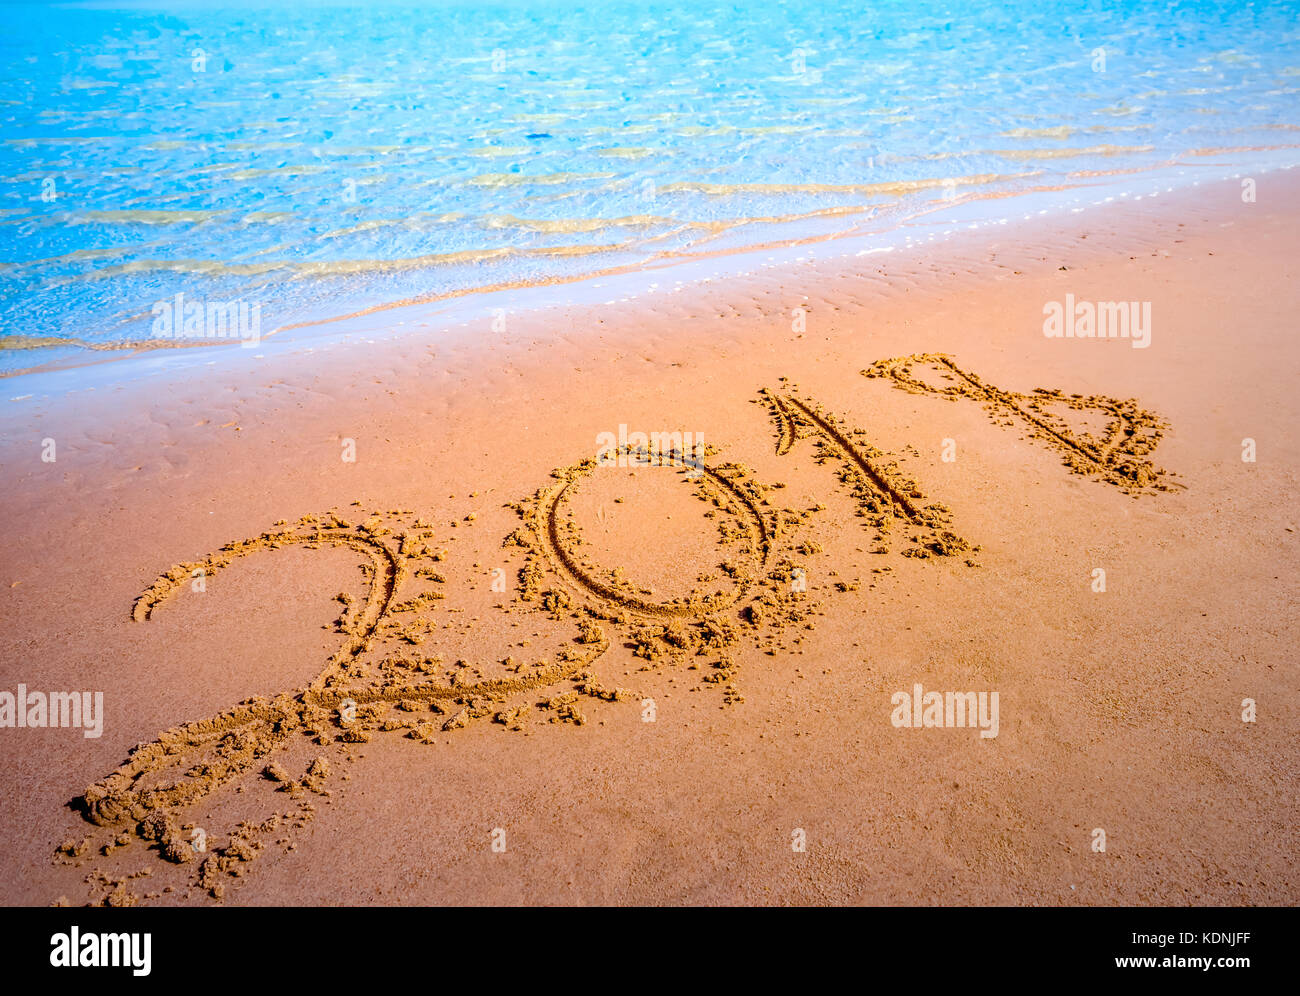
318 159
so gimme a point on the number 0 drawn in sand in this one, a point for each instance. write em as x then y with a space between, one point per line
376 682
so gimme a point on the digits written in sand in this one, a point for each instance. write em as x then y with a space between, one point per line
379 681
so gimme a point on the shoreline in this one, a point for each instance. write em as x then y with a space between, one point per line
960 215
1100 691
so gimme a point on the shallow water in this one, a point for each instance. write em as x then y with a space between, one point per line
317 160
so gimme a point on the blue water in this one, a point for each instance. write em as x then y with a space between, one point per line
319 159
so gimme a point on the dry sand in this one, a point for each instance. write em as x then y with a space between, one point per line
519 717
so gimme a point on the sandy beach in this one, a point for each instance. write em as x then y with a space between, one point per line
474 682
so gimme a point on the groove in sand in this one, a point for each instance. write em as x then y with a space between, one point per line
565 563
1120 458
878 484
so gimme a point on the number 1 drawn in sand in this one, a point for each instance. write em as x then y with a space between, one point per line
880 489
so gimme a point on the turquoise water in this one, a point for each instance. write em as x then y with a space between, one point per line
318 159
